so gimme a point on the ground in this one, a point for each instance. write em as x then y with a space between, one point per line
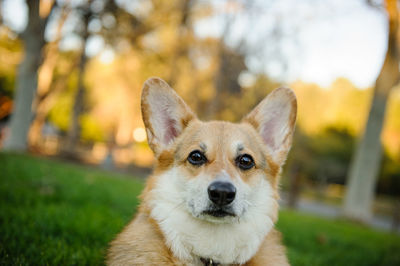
56 213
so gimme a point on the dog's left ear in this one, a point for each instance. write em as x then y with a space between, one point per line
164 113
274 118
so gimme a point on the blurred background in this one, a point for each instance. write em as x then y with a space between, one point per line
71 74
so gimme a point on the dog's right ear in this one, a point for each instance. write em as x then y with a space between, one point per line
165 114
274 118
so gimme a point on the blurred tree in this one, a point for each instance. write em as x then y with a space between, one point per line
183 31
49 87
33 39
10 50
365 165
230 65
325 137
109 22
318 160
320 108
79 103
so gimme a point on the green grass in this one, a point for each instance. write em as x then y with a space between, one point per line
60 214
54 213
317 241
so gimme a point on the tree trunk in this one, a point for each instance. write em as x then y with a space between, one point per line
366 162
183 30
74 131
46 103
48 88
33 38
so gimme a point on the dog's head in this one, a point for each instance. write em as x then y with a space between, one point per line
215 173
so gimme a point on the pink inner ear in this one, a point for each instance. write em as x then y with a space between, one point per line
268 132
171 131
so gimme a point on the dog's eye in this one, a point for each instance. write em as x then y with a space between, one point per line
245 162
197 158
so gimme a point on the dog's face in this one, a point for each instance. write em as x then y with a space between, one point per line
222 166
215 173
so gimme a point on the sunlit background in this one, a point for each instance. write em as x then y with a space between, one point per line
222 57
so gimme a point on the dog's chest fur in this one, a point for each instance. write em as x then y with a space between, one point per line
142 243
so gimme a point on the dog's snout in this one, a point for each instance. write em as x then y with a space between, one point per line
221 193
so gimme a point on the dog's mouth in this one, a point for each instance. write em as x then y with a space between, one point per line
219 213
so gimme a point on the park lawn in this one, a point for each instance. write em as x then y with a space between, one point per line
56 213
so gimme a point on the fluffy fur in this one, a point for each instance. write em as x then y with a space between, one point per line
171 227
226 240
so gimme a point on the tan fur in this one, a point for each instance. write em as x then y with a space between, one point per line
271 252
142 242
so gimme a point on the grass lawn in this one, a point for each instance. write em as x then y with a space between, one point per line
54 213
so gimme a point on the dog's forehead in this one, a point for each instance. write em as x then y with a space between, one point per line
221 135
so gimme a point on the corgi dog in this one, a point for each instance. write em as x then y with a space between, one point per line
213 196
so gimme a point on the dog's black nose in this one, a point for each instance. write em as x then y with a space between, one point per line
221 193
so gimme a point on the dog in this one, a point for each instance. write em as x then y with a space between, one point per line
212 198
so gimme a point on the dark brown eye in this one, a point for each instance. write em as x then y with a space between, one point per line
196 157
245 162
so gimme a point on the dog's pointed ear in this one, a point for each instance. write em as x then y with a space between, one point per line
164 113
274 118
